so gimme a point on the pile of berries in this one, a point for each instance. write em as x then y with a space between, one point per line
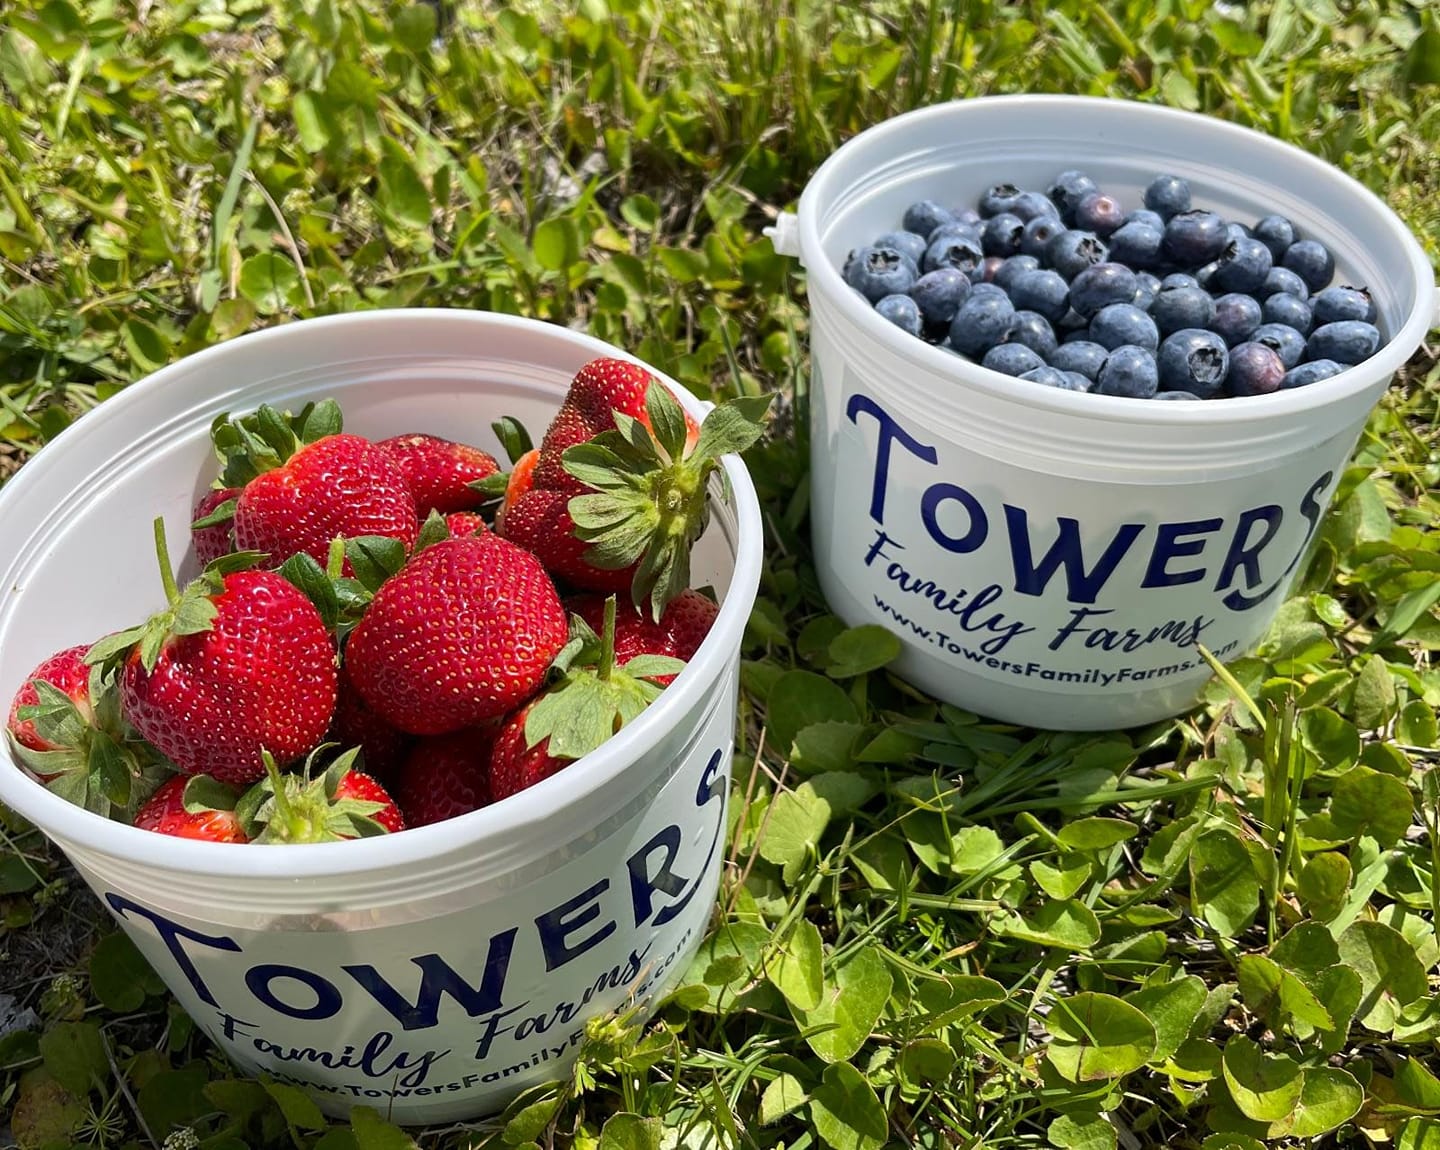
1066 288
386 634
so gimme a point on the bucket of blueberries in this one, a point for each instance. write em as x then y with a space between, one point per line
1085 375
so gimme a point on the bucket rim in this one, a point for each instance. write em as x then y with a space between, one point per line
537 806
1280 405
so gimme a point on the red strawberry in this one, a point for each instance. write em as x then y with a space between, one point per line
339 803
520 481
679 633
620 489
445 776
600 389
464 632
464 523
236 664
304 483
514 764
214 539
67 672
65 728
594 699
382 747
440 472
342 485
165 814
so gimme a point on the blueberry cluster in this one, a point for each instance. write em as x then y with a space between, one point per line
1067 289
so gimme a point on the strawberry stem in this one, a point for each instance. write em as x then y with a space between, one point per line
607 642
277 785
162 551
335 559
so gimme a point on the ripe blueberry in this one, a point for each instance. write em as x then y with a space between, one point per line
902 311
1289 310
1276 233
1034 331
1080 356
1255 369
1243 265
1043 291
1038 233
1000 198
1236 316
1194 238
1052 378
1032 205
1177 308
925 216
1311 261
1305 374
1347 341
1147 287
1283 340
1343 302
1013 268
1282 280
1067 190
1011 359
1121 324
939 295
1136 244
1195 361
1070 253
1001 234
876 272
908 242
981 323
959 252
1168 196
1129 371
1100 284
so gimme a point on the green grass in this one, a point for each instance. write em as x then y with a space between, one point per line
1216 931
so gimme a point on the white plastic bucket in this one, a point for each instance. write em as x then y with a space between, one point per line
1048 557
431 974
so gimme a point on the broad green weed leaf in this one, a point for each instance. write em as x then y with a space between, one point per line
795 823
1277 994
1418 1134
1098 1036
1265 1087
1328 1098
821 747
299 1108
927 1060
796 968
1389 971
846 1112
372 1132
269 281
850 1004
1323 883
950 999
974 849
1172 1009
1373 701
74 1054
800 698
784 1095
861 649
630 1132
557 243
1082 1132
1067 924
1061 882
734 948
1096 833
1365 802
843 792
1223 882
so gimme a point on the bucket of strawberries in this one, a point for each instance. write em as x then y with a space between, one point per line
397 740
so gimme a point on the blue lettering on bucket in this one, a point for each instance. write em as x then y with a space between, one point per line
657 892
1034 565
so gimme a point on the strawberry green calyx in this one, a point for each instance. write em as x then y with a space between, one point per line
98 762
187 611
301 809
594 698
650 501
253 444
